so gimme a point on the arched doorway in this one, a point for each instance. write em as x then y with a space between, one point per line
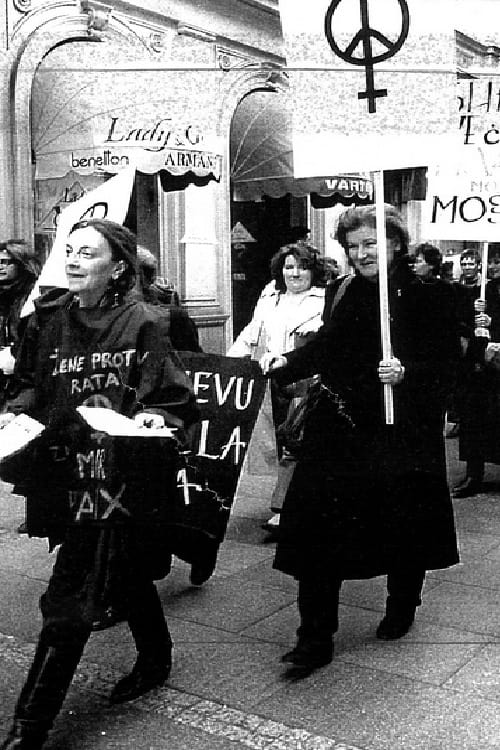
263 210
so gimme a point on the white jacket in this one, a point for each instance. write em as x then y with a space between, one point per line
278 319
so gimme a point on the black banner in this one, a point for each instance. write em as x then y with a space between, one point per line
229 392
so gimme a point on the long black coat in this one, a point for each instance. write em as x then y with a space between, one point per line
480 391
120 358
367 497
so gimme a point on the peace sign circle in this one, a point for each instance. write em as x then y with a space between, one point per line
365 35
98 401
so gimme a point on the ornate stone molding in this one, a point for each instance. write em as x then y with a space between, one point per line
23 6
98 15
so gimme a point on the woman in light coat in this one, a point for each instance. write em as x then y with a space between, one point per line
287 313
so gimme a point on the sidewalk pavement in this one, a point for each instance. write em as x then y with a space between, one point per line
436 689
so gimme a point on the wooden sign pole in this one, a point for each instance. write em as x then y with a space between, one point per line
483 332
484 270
385 328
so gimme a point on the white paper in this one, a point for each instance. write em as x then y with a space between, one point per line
113 423
18 433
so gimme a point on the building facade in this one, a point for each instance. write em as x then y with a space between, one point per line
83 81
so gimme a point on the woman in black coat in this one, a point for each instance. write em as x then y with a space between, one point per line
366 498
479 438
95 345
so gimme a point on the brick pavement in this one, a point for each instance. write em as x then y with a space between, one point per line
436 689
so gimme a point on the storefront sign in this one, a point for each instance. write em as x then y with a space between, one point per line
349 186
150 148
96 119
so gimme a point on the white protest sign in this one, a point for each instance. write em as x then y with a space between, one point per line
461 206
372 81
108 201
463 198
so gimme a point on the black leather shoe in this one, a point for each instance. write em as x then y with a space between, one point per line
22 738
467 488
202 570
309 655
392 627
140 680
200 574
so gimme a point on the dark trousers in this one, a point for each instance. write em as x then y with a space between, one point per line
318 601
67 609
67 605
475 469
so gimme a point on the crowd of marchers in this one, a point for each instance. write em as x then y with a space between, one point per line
359 495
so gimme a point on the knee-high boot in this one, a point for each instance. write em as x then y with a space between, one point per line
43 694
154 647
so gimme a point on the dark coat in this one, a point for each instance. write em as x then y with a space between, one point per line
367 497
183 332
117 357
12 301
480 391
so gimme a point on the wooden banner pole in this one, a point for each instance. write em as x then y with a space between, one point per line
385 328
484 270
483 332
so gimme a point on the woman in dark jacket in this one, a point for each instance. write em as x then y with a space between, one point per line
19 270
96 346
479 438
368 498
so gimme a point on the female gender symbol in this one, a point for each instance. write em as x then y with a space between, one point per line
365 35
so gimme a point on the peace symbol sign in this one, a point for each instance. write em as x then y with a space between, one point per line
365 36
98 400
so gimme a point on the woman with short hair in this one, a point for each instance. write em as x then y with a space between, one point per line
95 345
367 498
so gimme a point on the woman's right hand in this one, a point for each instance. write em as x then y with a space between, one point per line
271 362
6 418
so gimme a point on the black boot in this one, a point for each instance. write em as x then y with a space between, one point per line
396 622
309 654
42 696
318 602
154 647
404 588
145 676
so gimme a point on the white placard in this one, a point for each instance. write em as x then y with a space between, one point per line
461 206
369 92
108 201
18 433
113 423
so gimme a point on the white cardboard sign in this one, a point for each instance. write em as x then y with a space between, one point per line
372 81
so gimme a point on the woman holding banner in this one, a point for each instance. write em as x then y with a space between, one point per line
367 498
479 437
95 345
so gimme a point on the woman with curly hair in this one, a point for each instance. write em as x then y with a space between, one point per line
286 314
367 498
